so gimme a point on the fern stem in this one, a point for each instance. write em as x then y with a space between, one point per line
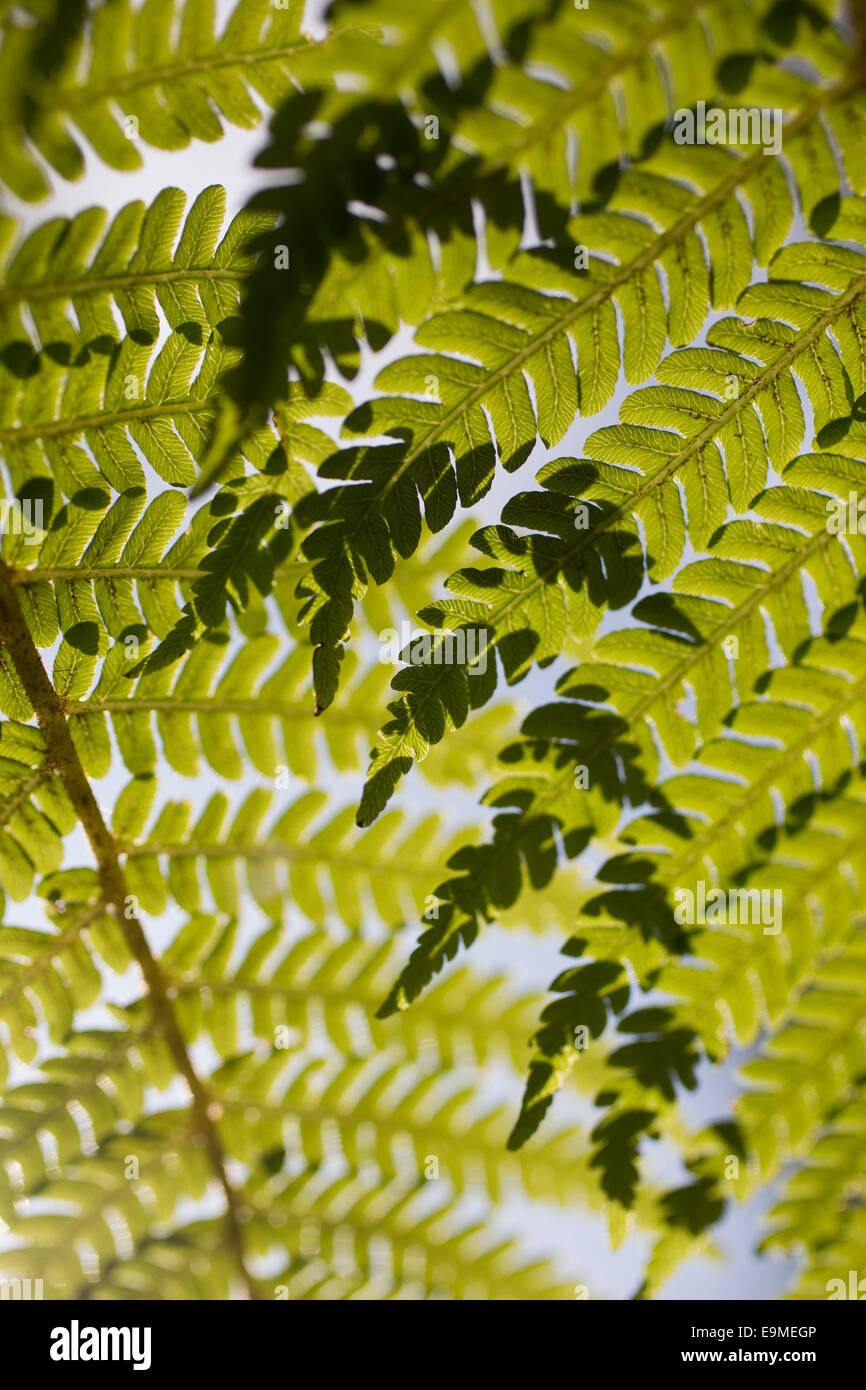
63 756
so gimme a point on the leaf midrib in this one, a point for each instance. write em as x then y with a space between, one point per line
281 851
471 1141
81 424
97 284
455 1019
215 705
22 793
86 573
72 98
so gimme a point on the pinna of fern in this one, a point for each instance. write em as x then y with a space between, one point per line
702 440
477 411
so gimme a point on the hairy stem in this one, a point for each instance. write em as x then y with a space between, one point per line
62 755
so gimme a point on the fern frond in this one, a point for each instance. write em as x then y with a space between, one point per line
32 53
335 1241
56 972
835 1263
824 1196
148 256
718 812
548 98
387 1116
228 706
103 1078
801 1111
720 838
683 452
426 1258
199 1100
318 981
480 410
821 1050
62 753
158 75
112 1204
136 1178
98 1202
82 405
389 866
738 982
